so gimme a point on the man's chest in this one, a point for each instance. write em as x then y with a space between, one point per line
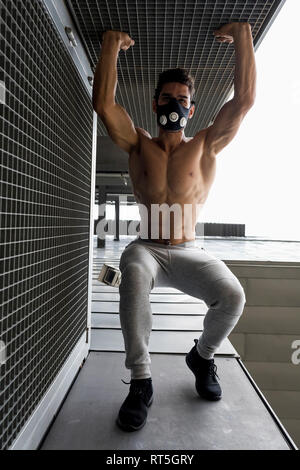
180 171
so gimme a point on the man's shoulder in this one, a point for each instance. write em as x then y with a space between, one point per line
142 134
142 131
201 134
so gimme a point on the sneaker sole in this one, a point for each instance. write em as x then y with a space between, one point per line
203 395
130 427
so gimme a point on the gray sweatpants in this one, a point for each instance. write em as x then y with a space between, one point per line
146 264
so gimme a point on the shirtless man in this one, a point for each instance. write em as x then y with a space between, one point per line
173 169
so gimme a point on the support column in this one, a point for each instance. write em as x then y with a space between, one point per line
117 218
101 200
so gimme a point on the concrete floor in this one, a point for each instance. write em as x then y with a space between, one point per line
178 417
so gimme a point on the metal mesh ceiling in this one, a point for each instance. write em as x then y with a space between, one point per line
168 34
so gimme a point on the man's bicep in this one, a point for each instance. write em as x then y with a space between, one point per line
120 127
225 126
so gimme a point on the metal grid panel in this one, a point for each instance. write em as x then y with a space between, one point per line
172 33
46 140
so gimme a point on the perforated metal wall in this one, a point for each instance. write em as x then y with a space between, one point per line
46 150
167 34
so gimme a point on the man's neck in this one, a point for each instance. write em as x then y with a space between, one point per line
170 140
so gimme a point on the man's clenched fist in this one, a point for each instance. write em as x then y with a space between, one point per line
124 39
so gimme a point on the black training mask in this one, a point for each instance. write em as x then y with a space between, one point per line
172 116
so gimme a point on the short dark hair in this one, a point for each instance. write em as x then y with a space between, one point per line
175 75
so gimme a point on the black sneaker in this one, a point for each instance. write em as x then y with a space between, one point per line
205 371
133 412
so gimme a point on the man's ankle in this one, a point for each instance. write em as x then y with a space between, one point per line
204 358
140 372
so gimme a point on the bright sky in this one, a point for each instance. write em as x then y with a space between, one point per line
257 181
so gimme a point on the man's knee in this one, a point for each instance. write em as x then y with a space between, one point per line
231 296
137 274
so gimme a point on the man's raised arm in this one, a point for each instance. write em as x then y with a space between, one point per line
230 116
115 118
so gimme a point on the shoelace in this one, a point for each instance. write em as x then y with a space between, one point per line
212 368
136 390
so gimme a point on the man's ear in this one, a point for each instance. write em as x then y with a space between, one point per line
192 110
